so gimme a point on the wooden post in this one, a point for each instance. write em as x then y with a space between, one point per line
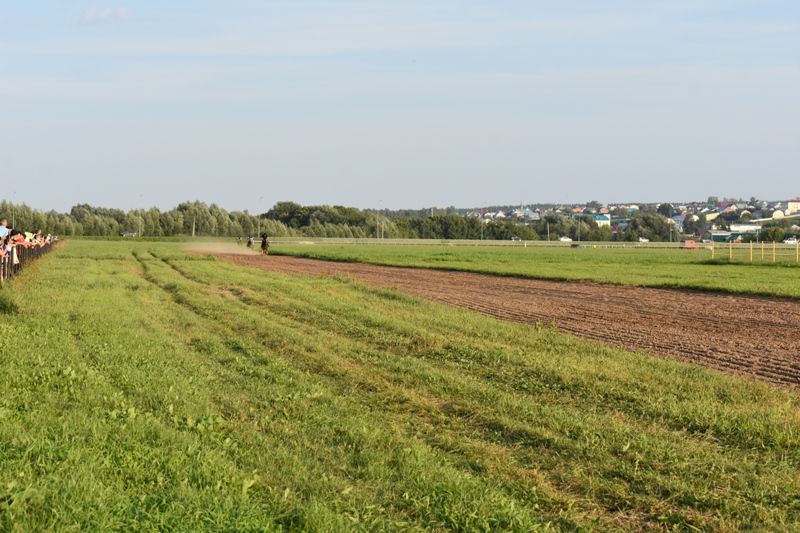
774 250
730 250
751 251
762 251
712 250
797 252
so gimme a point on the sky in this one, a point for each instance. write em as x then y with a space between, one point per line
404 103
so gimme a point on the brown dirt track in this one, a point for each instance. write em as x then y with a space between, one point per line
737 334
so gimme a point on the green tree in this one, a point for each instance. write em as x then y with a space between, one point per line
665 210
691 224
772 234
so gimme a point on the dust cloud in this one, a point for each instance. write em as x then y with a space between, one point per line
218 247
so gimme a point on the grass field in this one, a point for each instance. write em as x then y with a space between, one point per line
145 387
647 267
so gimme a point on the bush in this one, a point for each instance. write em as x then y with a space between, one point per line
773 234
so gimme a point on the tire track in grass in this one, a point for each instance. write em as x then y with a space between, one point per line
110 390
247 392
373 372
213 324
382 390
317 365
492 428
334 318
343 373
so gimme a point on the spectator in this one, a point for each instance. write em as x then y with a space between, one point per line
17 247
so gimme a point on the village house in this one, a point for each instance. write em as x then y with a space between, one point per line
602 221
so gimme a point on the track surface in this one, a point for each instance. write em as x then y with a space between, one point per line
737 334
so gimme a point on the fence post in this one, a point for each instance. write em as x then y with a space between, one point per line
774 250
712 250
9 268
751 251
762 251
730 250
797 252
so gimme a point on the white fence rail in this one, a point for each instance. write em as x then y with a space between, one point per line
763 252
464 242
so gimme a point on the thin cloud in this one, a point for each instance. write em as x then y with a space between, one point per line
96 15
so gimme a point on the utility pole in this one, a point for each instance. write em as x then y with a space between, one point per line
483 221
379 221
141 218
260 201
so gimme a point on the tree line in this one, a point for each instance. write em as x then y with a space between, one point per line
186 219
290 219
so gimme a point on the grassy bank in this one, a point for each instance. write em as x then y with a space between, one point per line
669 268
149 388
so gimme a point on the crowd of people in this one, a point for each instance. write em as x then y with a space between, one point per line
16 245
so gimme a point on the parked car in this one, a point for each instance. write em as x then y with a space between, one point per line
515 238
642 239
565 239
790 240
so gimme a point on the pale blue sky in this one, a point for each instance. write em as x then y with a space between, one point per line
397 104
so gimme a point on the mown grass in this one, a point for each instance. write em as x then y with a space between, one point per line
8 304
645 267
147 388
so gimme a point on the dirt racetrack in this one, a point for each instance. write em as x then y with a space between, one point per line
738 334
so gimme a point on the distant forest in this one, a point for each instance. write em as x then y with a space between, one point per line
289 219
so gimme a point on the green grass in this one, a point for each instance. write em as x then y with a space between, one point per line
146 388
646 267
8 304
